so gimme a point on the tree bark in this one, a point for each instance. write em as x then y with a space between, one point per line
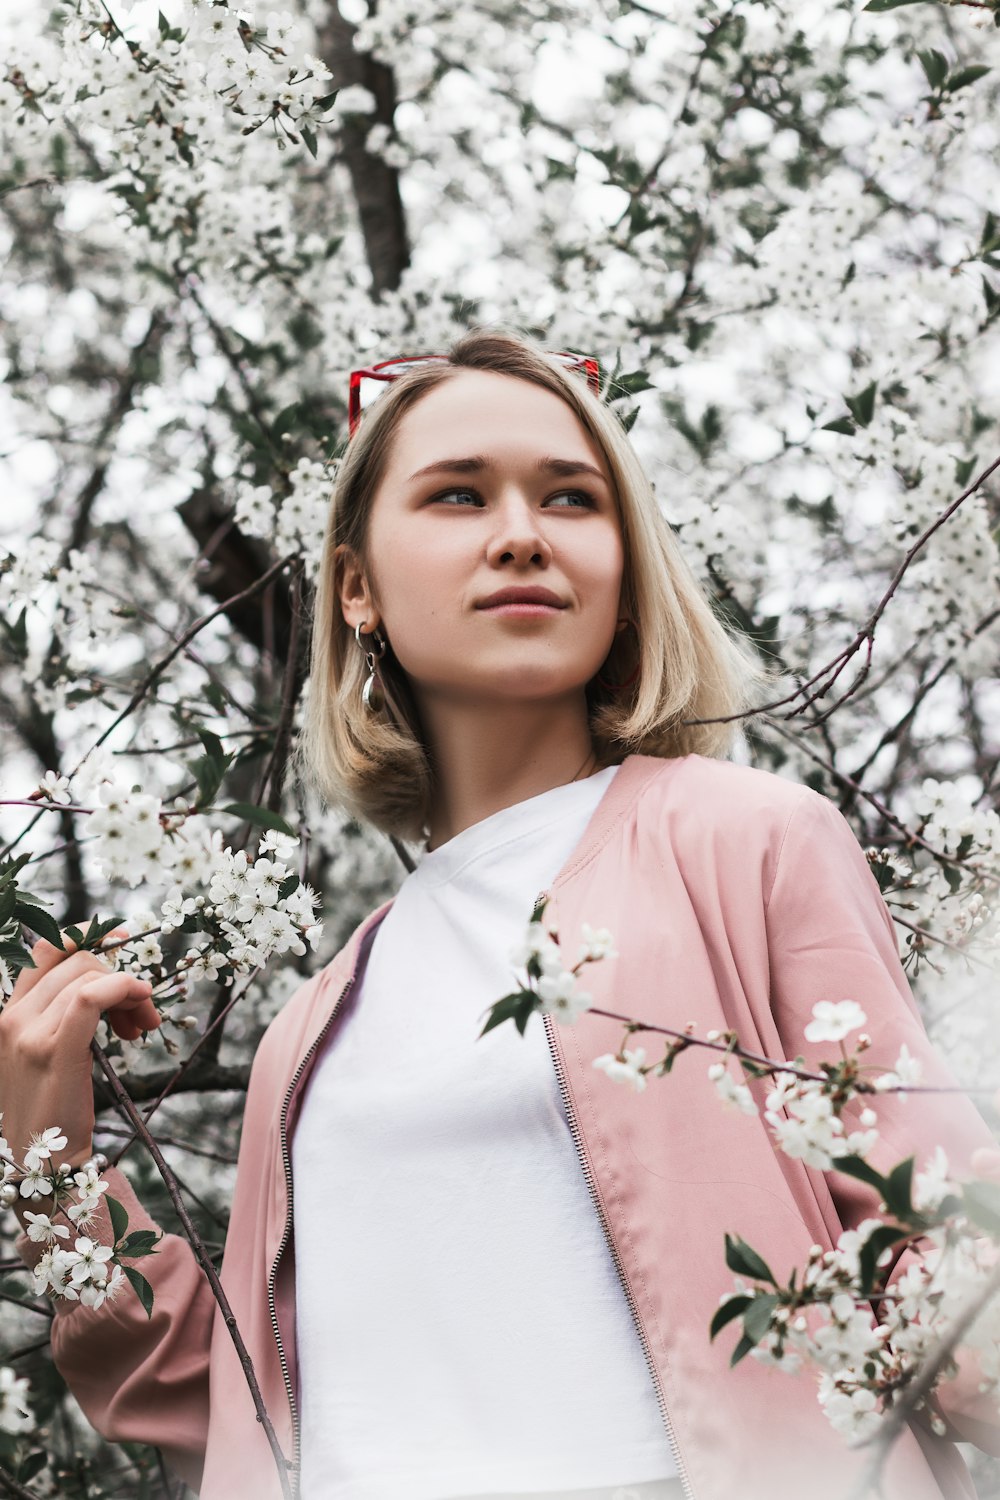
375 183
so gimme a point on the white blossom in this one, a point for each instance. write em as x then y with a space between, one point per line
625 1067
15 1414
833 1020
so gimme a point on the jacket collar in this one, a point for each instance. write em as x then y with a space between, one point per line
634 775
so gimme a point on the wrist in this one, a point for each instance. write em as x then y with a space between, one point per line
10 1190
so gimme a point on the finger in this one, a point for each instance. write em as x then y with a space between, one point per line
985 1162
129 1024
60 977
82 1006
47 957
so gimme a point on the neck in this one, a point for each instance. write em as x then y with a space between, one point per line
490 756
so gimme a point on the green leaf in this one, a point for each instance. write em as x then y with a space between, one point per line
28 899
38 920
95 934
888 4
965 76
506 1009
898 1186
629 418
139 1243
856 1166
260 817
17 634
841 424
32 1465
326 102
210 768
208 773
758 1317
726 1311
119 1217
879 1240
11 868
8 903
981 1202
742 1349
935 66
744 1260
862 406
213 745
286 419
632 383
963 471
526 1010
141 1287
309 139
17 956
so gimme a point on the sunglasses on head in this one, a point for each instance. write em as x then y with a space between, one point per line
391 369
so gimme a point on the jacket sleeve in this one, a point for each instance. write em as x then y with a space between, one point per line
830 937
140 1379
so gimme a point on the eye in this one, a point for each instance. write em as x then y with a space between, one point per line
459 496
580 499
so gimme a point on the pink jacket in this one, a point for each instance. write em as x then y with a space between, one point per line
737 899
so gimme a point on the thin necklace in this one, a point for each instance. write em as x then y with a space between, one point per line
591 756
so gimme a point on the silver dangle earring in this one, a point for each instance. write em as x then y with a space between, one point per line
372 695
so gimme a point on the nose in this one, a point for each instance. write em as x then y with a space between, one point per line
517 535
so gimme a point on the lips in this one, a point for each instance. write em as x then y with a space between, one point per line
522 596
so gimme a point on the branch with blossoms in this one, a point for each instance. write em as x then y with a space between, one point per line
260 74
822 681
241 907
89 1273
872 1373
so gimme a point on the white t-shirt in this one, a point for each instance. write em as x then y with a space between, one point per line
460 1324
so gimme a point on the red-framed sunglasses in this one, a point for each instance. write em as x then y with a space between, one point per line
391 369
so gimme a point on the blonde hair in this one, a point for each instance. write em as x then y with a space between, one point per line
690 668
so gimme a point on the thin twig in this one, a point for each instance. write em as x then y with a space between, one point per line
10 1486
175 1077
199 625
158 670
901 1411
131 1113
827 675
775 1064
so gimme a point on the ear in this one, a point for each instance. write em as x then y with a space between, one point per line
353 590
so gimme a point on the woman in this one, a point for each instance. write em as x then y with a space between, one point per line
472 1266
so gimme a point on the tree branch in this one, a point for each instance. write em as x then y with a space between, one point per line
375 183
129 1112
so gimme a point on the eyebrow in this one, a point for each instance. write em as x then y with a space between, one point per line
476 464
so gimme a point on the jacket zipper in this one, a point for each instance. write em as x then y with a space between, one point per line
585 1167
286 1163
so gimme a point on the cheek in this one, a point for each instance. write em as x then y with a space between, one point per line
602 571
417 587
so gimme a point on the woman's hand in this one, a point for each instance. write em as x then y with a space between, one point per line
46 1029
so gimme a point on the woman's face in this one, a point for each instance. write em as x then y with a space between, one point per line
492 484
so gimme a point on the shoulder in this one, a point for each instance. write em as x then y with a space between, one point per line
738 816
721 794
